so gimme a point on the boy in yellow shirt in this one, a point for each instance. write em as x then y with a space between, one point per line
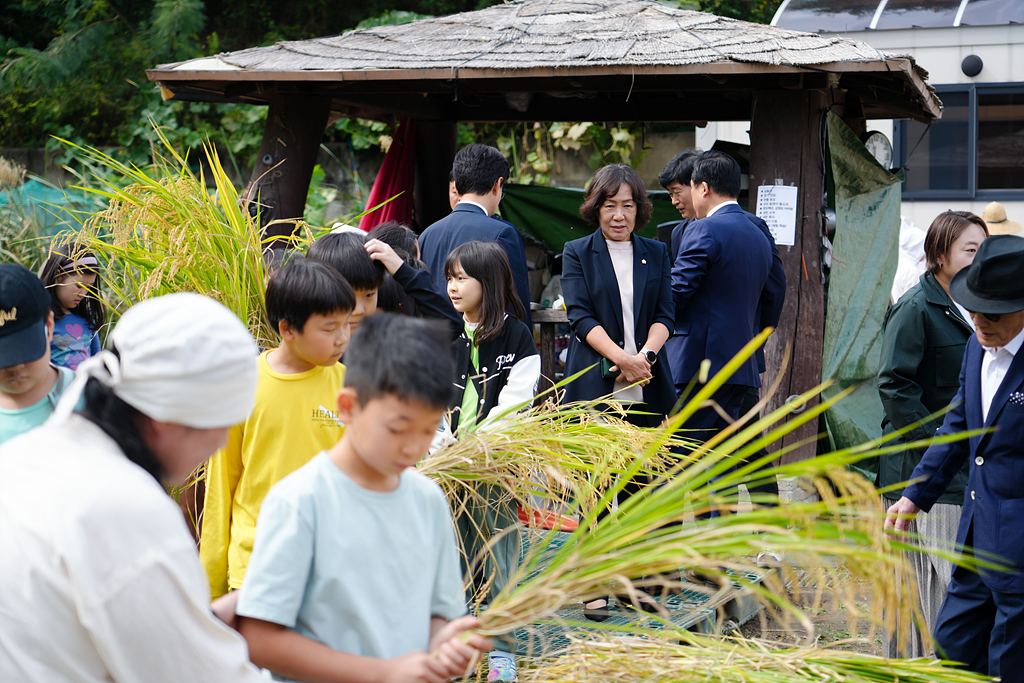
310 304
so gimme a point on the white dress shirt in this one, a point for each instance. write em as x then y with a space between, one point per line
621 254
994 365
476 204
716 208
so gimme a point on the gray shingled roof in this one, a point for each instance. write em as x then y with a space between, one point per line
553 34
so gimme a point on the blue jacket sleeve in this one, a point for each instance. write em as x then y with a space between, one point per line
941 462
419 285
579 306
691 263
513 246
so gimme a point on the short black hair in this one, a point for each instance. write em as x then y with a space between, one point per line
680 168
346 253
306 287
477 168
396 236
409 358
720 171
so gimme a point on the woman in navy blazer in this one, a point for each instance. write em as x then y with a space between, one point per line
605 275
617 203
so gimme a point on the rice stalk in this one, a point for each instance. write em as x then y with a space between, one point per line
631 659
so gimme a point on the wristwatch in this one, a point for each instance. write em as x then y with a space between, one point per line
651 356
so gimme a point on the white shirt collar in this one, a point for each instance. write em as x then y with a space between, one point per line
480 206
1012 347
725 203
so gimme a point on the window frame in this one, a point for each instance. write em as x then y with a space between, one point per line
901 142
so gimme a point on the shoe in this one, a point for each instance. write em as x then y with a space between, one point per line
769 559
501 666
599 613
712 580
643 601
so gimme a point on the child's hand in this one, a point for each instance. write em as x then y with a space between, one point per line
459 652
224 608
382 251
416 667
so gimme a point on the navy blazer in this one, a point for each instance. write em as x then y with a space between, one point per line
994 498
774 294
719 284
592 299
466 224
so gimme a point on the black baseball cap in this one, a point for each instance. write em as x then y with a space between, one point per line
24 304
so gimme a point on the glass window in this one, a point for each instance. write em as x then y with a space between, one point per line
833 16
923 13
940 160
1000 140
993 13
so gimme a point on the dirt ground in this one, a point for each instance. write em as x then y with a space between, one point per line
832 624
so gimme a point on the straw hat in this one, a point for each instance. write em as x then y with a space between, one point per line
997 222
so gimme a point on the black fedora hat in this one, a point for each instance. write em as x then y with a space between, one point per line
994 283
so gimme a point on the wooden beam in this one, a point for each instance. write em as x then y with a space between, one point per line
785 144
284 165
435 152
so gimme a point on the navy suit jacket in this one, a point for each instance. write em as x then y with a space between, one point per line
466 224
774 294
592 299
719 284
994 498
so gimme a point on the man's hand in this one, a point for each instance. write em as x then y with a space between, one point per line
224 608
900 514
416 667
457 651
382 251
634 369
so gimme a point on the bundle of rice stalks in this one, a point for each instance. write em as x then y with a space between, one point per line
835 542
165 232
644 660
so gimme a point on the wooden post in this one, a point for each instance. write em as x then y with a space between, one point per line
548 319
284 165
435 151
785 134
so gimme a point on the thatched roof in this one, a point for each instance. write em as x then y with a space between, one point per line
559 39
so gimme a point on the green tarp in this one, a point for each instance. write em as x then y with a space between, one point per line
867 198
552 214
51 208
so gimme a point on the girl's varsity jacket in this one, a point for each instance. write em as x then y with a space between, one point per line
508 372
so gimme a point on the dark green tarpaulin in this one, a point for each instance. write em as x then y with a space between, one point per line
552 214
864 263
41 204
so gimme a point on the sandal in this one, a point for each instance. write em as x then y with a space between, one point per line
597 613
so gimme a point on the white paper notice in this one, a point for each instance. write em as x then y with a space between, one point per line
776 206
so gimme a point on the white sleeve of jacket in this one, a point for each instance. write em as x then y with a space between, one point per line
518 392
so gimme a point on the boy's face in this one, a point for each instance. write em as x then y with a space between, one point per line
388 434
322 340
680 196
24 377
71 289
366 305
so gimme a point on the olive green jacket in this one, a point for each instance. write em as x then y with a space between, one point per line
919 374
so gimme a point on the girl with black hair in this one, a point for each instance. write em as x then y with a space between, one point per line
496 372
72 276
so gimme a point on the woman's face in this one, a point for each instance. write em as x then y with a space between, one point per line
962 251
617 216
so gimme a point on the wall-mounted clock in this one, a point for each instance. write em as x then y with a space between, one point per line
880 147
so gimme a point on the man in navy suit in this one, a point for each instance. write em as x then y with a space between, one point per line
719 280
479 172
981 621
675 178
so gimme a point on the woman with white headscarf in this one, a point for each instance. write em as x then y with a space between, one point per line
100 577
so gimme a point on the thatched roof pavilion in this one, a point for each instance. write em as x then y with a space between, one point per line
536 59
577 60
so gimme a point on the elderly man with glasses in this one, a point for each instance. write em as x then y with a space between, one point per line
981 622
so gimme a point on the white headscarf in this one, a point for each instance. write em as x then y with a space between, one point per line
184 358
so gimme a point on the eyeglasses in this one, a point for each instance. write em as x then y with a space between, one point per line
991 317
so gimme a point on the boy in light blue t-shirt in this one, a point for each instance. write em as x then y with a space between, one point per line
354 574
29 384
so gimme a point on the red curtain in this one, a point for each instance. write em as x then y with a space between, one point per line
397 175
